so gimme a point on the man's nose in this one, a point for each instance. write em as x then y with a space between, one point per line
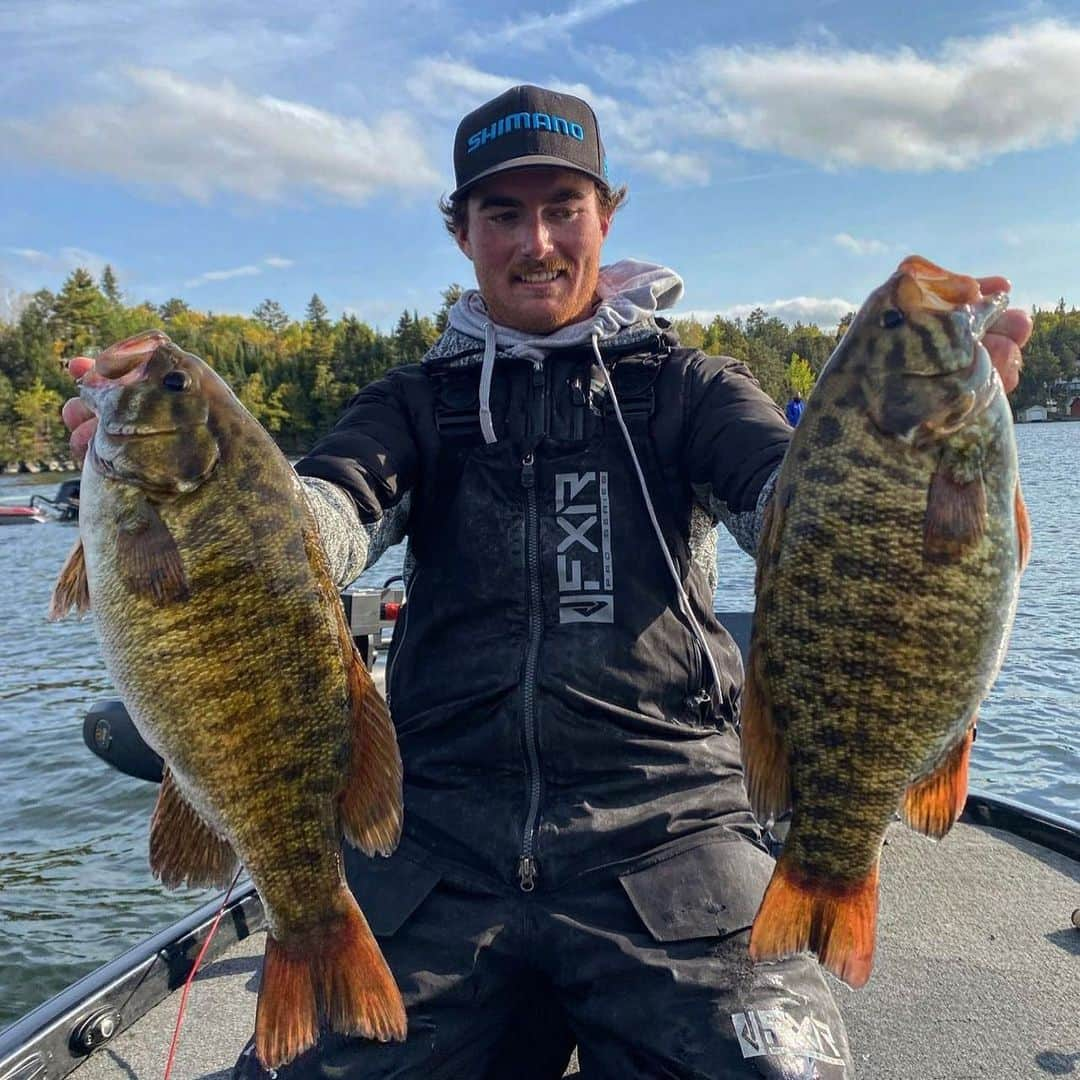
535 237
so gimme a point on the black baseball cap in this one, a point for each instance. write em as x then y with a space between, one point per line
527 125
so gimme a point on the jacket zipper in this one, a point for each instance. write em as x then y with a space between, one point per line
527 869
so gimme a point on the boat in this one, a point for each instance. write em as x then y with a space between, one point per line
976 975
64 505
22 515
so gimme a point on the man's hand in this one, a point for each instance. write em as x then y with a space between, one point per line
76 413
1007 337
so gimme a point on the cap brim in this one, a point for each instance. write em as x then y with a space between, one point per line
525 162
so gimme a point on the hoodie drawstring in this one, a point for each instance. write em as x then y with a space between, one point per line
486 371
684 600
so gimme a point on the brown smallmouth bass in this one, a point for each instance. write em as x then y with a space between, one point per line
223 633
886 586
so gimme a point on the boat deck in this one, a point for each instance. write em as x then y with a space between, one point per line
977 975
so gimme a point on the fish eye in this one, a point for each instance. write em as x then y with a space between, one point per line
891 318
176 380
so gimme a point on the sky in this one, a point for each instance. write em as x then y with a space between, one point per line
778 154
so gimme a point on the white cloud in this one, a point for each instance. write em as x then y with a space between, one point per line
222 275
976 99
201 140
30 254
536 30
825 312
860 246
63 261
275 262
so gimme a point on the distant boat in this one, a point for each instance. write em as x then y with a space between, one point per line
22 515
64 506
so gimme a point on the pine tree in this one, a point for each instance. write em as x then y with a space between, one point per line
317 316
271 315
109 286
450 296
78 314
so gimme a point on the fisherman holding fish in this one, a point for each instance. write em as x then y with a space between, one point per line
579 862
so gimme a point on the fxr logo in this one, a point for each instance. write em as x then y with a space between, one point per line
776 1032
583 556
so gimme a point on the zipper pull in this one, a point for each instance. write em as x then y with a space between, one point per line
528 872
528 475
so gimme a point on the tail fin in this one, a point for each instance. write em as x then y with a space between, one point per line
838 922
339 978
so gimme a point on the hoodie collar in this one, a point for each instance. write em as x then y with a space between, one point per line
631 292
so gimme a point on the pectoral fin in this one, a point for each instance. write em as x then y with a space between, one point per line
933 803
147 556
72 589
183 848
955 516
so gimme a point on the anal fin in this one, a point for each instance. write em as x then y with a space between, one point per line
371 810
933 803
183 848
72 589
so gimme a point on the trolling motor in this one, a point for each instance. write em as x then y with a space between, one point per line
110 733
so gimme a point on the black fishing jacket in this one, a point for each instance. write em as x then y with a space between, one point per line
552 705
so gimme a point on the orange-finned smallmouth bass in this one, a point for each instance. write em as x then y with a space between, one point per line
226 639
887 579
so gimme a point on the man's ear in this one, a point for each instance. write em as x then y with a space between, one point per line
605 225
462 238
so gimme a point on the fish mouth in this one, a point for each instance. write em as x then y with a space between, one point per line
93 386
975 395
939 289
925 285
135 431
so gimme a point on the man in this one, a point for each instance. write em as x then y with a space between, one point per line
579 861
794 409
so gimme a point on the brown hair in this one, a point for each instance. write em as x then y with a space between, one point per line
455 212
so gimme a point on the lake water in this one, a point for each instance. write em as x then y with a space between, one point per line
75 889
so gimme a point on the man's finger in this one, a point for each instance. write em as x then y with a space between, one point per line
78 366
75 412
81 438
1005 356
1016 324
994 284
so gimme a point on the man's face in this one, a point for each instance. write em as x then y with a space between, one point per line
534 238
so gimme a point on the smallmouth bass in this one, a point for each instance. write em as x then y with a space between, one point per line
223 633
887 579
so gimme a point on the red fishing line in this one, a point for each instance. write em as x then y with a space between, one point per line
194 971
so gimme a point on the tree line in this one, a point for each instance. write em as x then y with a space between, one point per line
296 376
